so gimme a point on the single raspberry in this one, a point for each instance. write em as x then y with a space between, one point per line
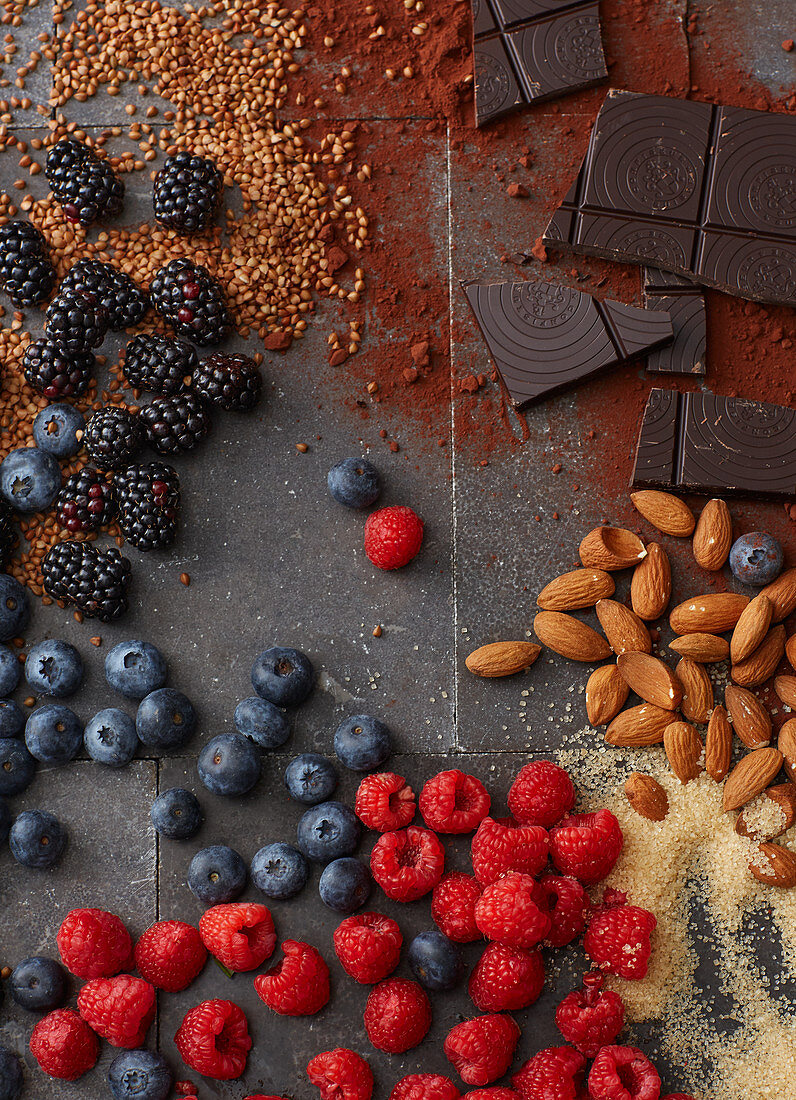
213 1040
120 1009
241 935
64 1045
170 955
393 536
555 1073
407 863
495 1092
481 1049
506 979
397 1015
623 1073
502 845
618 936
567 904
453 906
591 1017
425 1086
368 946
453 802
587 845
341 1074
384 802
94 943
541 794
509 911
298 985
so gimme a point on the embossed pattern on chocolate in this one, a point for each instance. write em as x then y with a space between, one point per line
686 307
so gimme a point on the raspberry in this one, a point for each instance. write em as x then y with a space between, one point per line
341 1074
393 536
506 979
241 935
496 1092
502 845
453 802
555 1073
407 863
64 1045
567 904
509 912
425 1086
618 937
453 906
94 943
591 1017
298 985
397 1015
623 1073
368 946
119 1009
213 1039
385 801
587 845
481 1049
541 794
170 955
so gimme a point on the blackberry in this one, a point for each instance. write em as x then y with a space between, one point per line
85 186
187 193
113 435
76 321
50 371
176 423
125 302
189 298
160 364
8 536
95 579
231 381
86 502
26 273
149 504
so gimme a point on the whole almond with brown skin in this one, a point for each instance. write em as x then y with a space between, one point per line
651 679
502 658
606 694
611 548
750 719
638 727
785 687
790 650
718 744
569 637
622 627
782 593
713 535
763 662
647 796
703 648
651 586
750 776
709 614
782 795
666 512
774 865
683 750
786 743
572 591
751 628
697 701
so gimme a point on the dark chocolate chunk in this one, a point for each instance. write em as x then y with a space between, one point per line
686 307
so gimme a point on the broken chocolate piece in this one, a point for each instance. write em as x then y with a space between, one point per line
686 307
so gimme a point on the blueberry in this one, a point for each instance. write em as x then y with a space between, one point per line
363 743
139 1075
283 676
10 670
37 839
344 885
54 668
29 479
110 738
12 719
5 820
279 871
216 874
38 984
56 429
229 764
310 778
327 832
261 721
436 961
14 607
54 734
176 813
165 719
135 669
756 558
17 766
10 1075
354 482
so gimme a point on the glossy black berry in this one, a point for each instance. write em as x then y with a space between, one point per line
125 302
149 504
160 364
113 436
56 374
174 424
95 579
86 502
192 301
187 193
85 186
232 382
26 274
75 322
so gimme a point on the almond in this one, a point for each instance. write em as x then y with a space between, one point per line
751 628
704 648
683 750
718 744
638 727
697 690
713 535
785 687
606 694
762 663
751 775
622 627
571 591
651 586
666 512
750 719
502 658
611 548
647 796
650 678
784 797
774 865
782 593
570 637
786 742
790 650
710 614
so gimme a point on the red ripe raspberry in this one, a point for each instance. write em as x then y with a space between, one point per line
425 1086
298 985
453 802
94 943
341 1074
618 937
591 1017
623 1073
496 1092
587 845
213 1039
397 1015
385 801
64 1045
453 906
541 794
504 845
393 536
506 979
407 863
368 946
170 955
241 935
555 1073
568 905
481 1049
120 1009
509 912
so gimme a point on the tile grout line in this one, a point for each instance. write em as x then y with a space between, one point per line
454 532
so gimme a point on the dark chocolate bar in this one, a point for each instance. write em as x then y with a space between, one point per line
543 336
686 307
707 192
529 50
